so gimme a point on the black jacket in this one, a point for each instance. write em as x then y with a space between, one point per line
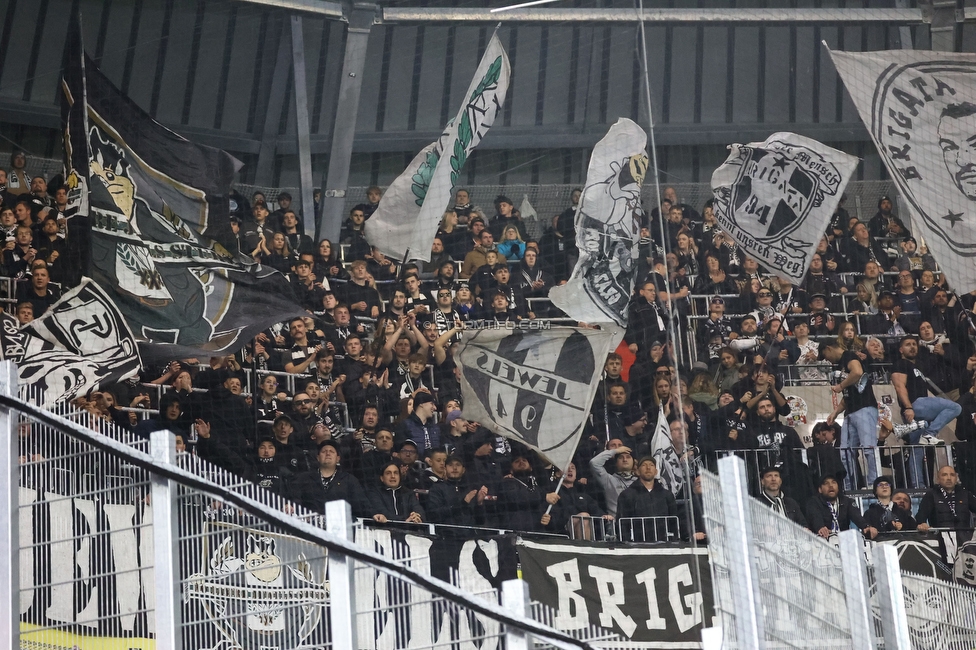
309 490
935 509
818 514
875 515
790 507
573 501
396 504
446 505
521 504
638 501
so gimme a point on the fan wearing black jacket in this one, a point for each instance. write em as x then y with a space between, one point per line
329 483
885 515
455 500
391 501
266 471
772 495
830 512
576 502
646 497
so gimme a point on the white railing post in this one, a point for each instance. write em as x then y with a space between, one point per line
515 598
9 515
887 574
342 578
856 589
166 547
749 624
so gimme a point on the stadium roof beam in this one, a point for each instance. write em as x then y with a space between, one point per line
317 7
669 16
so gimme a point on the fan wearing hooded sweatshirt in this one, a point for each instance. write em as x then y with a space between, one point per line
390 501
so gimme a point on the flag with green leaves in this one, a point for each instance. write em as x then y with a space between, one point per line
410 211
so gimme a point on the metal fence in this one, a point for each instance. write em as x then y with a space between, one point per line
112 541
777 585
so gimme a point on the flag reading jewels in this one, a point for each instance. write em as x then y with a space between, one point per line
776 197
920 109
607 229
411 210
534 386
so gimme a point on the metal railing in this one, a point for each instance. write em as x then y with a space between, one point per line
116 541
777 585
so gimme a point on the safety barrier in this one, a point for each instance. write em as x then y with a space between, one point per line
776 585
112 541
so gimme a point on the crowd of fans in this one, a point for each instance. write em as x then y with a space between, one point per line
360 399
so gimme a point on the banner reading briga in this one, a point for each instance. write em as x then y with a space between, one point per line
920 109
650 595
775 198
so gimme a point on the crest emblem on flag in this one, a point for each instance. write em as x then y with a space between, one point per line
776 197
534 386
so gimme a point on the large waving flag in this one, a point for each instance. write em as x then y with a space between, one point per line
410 212
158 208
80 343
669 470
776 197
534 386
920 109
607 229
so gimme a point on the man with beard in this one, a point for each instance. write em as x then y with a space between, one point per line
329 483
522 501
772 495
946 315
418 426
860 408
645 497
881 223
946 505
862 248
830 513
886 515
303 418
621 479
621 419
575 501
780 445
454 500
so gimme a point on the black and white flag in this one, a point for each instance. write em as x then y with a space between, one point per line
607 229
158 208
669 470
534 386
80 343
920 109
775 198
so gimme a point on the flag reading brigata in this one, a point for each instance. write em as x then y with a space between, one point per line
78 344
607 229
534 386
776 197
412 207
161 239
920 109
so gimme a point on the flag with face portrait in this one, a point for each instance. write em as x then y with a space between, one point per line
920 109
534 385
411 210
607 229
80 343
775 198
158 207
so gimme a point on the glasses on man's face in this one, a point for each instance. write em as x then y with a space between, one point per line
765 294
443 294
303 401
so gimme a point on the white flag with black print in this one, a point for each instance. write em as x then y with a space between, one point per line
411 210
775 198
669 470
80 343
920 109
607 229
534 386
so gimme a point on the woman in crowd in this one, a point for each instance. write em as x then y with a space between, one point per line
327 264
687 252
714 280
454 239
281 257
511 246
464 303
847 337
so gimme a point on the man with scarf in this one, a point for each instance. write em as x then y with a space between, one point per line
830 512
455 500
772 495
886 515
419 426
946 505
